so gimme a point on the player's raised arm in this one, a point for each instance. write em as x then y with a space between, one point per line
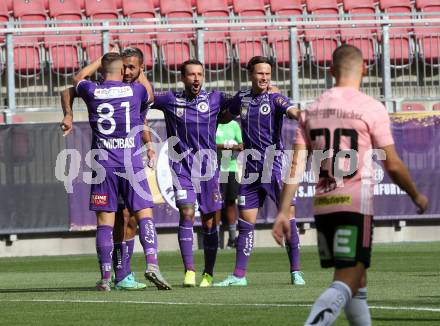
87 71
281 227
400 175
67 97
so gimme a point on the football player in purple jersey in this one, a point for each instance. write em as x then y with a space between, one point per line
115 109
191 117
262 114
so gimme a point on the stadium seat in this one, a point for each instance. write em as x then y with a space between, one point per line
428 35
145 45
216 46
10 4
27 52
101 9
278 39
27 57
322 40
138 9
248 43
363 36
4 18
176 47
436 107
405 107
30 11
400 42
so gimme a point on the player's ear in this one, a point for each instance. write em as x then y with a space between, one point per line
364 69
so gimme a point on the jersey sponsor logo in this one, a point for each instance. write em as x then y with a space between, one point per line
116 143
99 199
112 92
179 112
203 107
241 200
345 241
265 109
333 200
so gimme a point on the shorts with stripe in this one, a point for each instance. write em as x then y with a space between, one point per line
344 238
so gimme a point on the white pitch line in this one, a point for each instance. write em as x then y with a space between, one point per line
276 305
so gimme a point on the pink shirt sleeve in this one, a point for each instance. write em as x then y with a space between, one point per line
381 127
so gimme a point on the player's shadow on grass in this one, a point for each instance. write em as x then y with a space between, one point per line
42 290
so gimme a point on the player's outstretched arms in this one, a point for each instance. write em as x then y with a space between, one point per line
400 175
281 227
67 97
293 113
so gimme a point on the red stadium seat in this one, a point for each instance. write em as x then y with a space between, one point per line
248 43
436 107
146 46
27 11
101 9
428 35
216 46
10 4
400 47
279 38
27 57
4 18
176 47
322 40
138 8
412 107
361 36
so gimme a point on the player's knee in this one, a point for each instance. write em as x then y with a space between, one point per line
187 212
131 228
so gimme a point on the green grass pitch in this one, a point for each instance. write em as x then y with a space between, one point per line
404 289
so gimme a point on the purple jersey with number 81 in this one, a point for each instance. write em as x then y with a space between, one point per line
114 109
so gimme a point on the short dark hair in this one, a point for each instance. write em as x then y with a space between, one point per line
259 59
108 59
346 57
189 62
133 52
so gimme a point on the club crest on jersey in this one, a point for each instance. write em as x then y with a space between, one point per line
265 109
179 112
203 107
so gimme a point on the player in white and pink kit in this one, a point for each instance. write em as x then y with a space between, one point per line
341 128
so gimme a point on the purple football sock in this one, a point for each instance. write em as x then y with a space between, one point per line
185 237
104 249
292 247
119 261
245 243
148 239
210 245
129 247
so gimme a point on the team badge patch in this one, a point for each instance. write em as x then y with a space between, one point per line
203 107
99 199
241 200
244 112
179 112
265 109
